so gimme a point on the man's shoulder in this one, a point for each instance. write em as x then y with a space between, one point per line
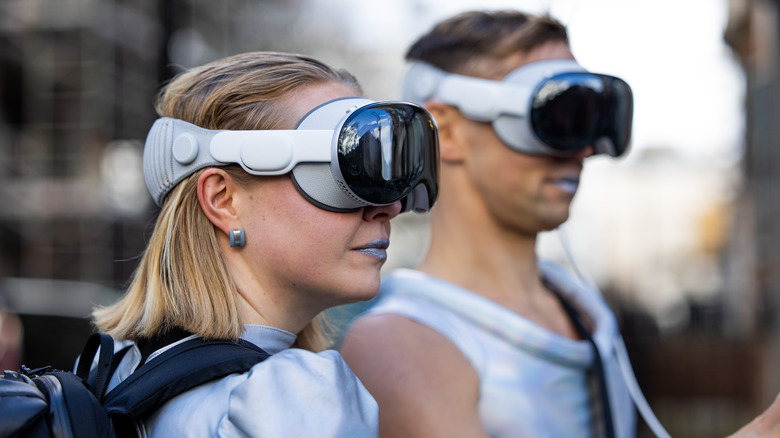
390 349
389 327
396 338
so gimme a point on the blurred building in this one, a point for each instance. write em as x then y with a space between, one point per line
76 82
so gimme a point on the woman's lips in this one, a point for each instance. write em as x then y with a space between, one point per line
376 249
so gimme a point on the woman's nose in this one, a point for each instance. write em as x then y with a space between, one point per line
382 213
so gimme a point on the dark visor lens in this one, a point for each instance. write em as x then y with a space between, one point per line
573 110
385 150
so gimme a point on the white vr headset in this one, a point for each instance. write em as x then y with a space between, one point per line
343 155
552 107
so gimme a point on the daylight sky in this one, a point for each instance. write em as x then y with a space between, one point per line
687 86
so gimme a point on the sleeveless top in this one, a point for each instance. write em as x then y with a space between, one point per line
533 382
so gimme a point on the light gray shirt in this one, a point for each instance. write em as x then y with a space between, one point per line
294 393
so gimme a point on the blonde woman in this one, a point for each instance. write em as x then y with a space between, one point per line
276 184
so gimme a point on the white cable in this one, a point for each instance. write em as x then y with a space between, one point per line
636 392
586 281
620 350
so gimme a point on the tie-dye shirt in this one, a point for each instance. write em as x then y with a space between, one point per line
533 382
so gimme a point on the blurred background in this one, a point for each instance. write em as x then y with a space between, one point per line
682 235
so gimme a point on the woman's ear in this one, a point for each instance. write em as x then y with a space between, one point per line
448 123
216 194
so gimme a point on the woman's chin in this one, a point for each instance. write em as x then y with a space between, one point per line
360 291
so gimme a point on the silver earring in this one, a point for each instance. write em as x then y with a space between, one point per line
237 238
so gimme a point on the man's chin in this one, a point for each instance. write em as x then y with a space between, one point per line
554 221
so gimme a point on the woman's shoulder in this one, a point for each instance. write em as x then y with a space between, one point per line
274 398
288 382
324 368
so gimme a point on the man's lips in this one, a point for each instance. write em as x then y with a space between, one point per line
568 184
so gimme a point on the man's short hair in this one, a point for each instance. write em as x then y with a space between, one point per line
460 43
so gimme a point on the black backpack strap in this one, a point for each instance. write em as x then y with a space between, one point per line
148 345
102 372
118 356
178 369
597 365
74 410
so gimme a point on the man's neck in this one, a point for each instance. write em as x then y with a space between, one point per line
501 267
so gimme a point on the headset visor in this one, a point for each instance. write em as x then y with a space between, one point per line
570 111
387 150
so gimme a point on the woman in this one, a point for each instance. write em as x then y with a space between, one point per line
260 231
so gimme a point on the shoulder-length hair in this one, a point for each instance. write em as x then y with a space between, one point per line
182 280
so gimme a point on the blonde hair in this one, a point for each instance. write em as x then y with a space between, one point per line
182 280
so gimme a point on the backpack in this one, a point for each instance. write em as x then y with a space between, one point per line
52 403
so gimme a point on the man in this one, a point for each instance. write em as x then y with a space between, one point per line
482 339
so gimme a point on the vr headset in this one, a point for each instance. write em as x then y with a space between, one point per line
343 155
552 107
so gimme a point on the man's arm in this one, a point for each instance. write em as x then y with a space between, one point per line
423 384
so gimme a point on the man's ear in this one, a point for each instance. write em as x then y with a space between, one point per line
216 194
448 123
